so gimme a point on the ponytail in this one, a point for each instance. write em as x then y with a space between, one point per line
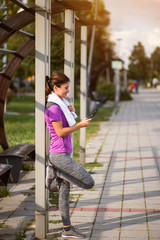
47 88
57 79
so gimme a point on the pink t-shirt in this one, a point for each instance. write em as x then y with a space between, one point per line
58 144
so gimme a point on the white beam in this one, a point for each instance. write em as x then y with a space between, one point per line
92 44
42 63
125 78
69 52
69 49
83 91
117 86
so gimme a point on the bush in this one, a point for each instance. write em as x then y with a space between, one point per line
125 95
106 89
4 192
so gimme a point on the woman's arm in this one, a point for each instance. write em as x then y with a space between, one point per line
61 132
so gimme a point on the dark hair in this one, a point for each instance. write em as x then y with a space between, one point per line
57 79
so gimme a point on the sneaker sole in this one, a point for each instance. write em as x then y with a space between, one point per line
72 237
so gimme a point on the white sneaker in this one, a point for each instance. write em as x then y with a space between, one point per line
73 233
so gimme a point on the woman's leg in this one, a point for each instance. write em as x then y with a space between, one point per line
70 170
64 189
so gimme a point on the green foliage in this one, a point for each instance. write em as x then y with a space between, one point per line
53 198
20 235
57 52
125 96
92 165
22 104
139 63
4 192
20 128
27 67
27 167
8 9
155 63
106 89
3 225
27 194
55 221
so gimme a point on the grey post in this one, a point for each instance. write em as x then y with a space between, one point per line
42 62
125 78
117 86
83 91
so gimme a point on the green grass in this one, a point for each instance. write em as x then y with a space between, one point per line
55 221
20 129
22 104
27 167
54 197
4 192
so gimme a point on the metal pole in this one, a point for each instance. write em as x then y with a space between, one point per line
42 68
83 91
92 44
117 86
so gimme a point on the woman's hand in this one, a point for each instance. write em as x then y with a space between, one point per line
61 131
85 122
71 108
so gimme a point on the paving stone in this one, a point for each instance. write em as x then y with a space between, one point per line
129 143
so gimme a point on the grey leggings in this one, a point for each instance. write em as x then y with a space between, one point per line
68 171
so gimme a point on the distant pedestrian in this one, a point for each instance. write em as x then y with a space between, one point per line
131 87
136 86
60 120
155 82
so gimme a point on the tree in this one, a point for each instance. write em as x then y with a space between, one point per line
102 43
155 62
139 63
57 47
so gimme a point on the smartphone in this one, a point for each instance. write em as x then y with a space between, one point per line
92 114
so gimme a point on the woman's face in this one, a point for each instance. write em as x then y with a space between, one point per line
62 91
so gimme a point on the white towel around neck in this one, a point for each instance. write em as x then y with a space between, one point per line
63 103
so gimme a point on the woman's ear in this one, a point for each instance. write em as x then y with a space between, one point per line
54 88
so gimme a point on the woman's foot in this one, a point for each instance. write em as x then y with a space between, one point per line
72 233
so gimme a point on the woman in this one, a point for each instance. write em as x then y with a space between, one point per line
60 120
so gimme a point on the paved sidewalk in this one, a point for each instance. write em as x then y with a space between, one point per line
125 201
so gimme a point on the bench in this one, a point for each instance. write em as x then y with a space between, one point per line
4 174
15 156
96 101
96 96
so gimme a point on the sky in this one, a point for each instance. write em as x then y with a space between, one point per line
133 21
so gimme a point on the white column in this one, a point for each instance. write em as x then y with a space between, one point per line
107 68
42 63
117 86
83 91
92 44
69 50
125 78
